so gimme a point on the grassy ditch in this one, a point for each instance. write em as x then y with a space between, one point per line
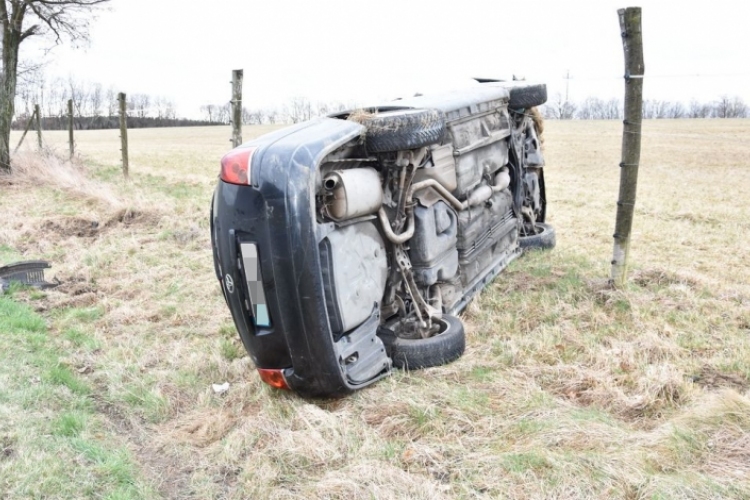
568 389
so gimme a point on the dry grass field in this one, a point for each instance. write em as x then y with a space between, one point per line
568 389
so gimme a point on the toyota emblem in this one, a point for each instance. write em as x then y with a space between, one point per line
229 282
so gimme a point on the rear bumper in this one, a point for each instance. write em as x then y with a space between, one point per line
276 213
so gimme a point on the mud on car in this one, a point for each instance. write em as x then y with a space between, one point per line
348 245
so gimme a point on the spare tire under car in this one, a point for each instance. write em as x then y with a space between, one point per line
527 96
403 129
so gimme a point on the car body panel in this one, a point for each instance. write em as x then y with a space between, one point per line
278 216
321 350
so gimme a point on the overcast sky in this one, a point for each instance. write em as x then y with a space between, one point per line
360 51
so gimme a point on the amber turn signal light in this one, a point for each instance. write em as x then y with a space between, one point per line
274 378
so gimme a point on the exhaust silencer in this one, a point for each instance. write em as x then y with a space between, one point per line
352 193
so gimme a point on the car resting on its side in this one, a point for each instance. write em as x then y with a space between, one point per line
347 245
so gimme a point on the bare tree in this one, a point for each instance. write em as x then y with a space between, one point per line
730 107
160 104
592 108
224 112
79 94
170 111
653 108
96 96
26 98
698 110
613 109
560 109
246 116
298 110
140 104
253 116
272 115
21 20
739 108
111 102
322 109
722 107
674 110
56 97
209 110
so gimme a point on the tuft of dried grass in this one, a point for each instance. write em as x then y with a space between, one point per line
361 116
32 169
712 435
377 480
538 119
199 429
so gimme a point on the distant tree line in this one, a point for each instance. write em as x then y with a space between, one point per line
297 110
94 107
593 108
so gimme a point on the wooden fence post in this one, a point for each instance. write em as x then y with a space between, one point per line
237 77
70 128
124 132
25 131
38 112
632 44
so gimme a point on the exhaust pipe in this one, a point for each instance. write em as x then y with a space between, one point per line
352 193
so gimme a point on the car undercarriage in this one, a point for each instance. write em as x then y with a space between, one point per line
411 216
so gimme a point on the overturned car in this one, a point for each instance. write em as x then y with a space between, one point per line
348 245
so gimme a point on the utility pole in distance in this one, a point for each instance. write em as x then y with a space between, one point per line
632 44
237 78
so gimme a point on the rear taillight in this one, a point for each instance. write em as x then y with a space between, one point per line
235 166
274 378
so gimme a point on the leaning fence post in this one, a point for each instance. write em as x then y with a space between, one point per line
25 131
237 77
70 128
123 132
38 112
632 44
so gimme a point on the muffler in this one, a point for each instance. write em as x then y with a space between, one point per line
352 193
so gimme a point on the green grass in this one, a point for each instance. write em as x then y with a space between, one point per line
230 350
81 339
69 424
8 255
50 422
568 389
145 401
522 462
79 315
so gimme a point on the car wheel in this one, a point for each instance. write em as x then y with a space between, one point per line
403 129
442 348
544 239
527 96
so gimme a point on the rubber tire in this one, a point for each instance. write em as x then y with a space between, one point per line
527 96
403 129
544 240
440 349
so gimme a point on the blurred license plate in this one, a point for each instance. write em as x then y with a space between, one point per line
251 266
